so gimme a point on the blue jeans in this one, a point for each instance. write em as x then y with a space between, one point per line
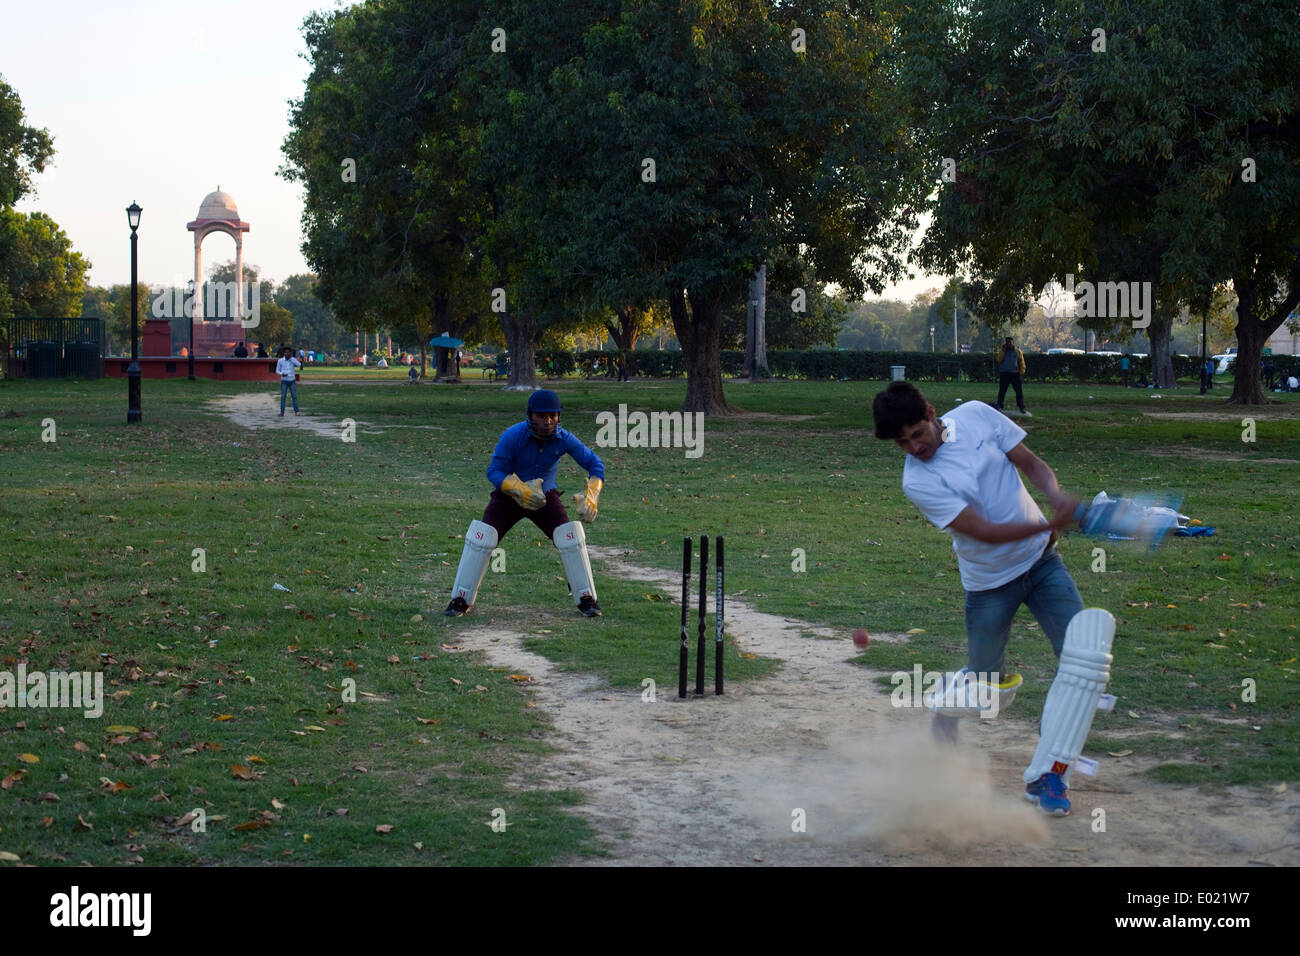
1046 588
292 389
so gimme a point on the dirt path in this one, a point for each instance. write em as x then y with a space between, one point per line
720 781
262 410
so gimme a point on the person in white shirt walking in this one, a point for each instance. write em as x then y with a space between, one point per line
287 368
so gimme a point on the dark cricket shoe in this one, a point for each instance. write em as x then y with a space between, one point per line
588 606
456 608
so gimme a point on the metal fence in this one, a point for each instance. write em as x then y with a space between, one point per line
53 348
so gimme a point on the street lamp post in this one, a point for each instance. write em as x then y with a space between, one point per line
932 340
133 416
191 349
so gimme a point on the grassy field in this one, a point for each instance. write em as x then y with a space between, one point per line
328 724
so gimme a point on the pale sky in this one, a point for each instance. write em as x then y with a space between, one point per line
160 102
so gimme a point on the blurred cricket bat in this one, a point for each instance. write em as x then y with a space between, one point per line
1140 518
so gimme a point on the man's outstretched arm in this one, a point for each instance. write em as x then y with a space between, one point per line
974 525
1042 477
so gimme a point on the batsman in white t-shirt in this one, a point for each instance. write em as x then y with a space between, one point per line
963 472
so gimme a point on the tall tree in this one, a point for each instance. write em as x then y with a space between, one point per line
382 146
1146 143
693 141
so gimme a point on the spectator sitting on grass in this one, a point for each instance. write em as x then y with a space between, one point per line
413 375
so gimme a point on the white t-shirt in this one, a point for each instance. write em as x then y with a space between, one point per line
287 368
971 468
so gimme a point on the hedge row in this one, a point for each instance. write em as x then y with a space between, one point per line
847 365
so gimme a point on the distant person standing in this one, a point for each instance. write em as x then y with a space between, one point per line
1269 370
287 368
1011 365
1123 370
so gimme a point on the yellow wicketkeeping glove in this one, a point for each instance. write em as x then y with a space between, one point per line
529 494
585 500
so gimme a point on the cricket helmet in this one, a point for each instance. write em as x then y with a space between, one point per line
543 401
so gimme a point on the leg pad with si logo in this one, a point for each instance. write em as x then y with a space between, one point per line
480 540
1081 677
571 540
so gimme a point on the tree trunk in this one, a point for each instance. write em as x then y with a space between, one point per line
626 331
1253 330
424 360
1160 335
522 336
699 330
1247 383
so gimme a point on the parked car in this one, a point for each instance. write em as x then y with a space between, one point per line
1066 352
1224 360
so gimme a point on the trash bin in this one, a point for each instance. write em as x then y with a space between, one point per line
898 372
43 359
82 360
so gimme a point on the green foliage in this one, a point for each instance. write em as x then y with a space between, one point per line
24 150
313 323
1164 157
117 330
40 273
525 170
384 155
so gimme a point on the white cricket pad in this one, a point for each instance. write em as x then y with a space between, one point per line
1081 678
480 539
964 694
571 541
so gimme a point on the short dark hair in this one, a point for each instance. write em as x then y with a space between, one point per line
897 407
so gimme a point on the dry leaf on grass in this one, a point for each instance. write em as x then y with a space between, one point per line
384 828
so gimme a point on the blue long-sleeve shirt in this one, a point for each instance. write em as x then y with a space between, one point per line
519 453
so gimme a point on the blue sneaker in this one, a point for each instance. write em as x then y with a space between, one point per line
1048 791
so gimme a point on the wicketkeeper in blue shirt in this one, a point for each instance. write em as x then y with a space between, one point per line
522 472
